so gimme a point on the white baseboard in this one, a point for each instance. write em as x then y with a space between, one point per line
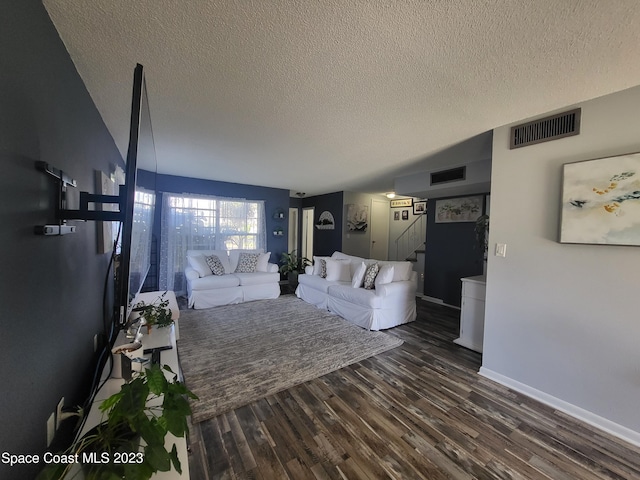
439 301
586 416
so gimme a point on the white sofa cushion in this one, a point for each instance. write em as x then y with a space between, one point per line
384 276
402 270
221 254
257 278
359 296
317 264
215 281
316 282
338 270
199 264
263 262
358 275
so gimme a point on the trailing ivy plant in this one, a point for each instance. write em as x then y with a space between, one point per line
155 314
135 423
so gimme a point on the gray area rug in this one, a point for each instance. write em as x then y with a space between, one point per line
233 355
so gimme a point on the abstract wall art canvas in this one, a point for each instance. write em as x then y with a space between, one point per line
466 209
601 201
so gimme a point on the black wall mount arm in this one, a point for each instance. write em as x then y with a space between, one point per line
83 213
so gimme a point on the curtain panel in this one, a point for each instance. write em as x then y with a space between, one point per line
199 222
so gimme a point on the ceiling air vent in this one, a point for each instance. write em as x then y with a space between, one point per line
452 175
545 129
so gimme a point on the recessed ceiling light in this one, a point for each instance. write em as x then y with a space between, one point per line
391 195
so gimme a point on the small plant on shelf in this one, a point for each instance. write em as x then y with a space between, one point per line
130 440
158 314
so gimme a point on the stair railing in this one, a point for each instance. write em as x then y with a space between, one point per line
412 238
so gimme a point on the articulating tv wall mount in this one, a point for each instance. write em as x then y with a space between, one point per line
83 213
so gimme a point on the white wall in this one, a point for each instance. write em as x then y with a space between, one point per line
563 321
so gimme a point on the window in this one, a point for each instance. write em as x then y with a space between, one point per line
191 222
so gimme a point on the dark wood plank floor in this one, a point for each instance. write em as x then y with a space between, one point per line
418 411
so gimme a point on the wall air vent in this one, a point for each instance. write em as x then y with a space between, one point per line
445 176
546 129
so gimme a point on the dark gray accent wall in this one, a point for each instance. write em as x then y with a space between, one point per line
51 287
452 253
325 242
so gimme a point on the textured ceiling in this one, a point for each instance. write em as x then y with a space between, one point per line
323 96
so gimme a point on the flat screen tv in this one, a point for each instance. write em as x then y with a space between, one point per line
138 204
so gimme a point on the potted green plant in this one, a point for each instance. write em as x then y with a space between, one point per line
291 265
130 441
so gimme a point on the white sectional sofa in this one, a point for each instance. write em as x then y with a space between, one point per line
392 302
233 285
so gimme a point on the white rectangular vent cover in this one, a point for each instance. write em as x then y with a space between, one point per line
546 129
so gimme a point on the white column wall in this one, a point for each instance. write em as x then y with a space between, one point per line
563 321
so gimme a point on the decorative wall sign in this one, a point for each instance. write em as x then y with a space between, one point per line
326 221
357 218
405 214
465 209
601 201
401 202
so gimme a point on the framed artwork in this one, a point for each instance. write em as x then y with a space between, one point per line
396 215
405 214
401 202
357 218
464 209
601 201
419 208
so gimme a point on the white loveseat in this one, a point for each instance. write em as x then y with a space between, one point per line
392 302
206 289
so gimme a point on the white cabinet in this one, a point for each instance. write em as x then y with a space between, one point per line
472 314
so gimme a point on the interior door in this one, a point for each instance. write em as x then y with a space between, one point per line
307 233
379 230
293 229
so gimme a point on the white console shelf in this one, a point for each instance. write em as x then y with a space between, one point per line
159 337
472 313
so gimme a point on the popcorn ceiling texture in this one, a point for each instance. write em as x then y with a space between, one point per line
288 93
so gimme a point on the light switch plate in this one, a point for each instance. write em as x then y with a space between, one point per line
501 249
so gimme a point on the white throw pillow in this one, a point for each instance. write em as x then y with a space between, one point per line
338 270
385 275
317 264
263 262
402 270
199 264
358 276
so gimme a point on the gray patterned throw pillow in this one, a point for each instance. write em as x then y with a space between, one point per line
247 262
215 265
370 276
323 268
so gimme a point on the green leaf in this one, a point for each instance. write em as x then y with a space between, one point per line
156 380
157 457
175 460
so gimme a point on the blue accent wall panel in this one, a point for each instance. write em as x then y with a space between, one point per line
452 252
52 287
274 199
